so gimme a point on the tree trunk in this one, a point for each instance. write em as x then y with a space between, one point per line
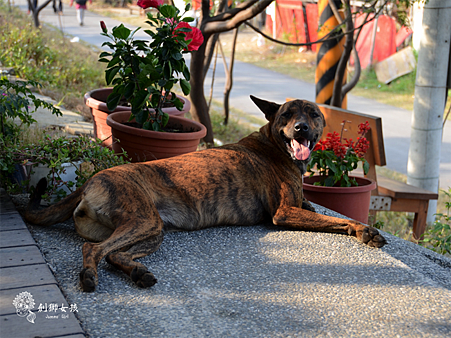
337 97
36 10
329 51
209 51
36 18
210 25
229 76
199 107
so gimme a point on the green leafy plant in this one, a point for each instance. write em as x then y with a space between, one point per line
17 104
438 236
334 158
86 155
144 73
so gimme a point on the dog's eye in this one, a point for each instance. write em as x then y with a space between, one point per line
287 114
314 115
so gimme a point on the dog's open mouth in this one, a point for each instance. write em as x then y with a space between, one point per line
300 148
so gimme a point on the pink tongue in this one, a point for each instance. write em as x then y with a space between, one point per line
301 151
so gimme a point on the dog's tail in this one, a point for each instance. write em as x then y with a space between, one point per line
56 213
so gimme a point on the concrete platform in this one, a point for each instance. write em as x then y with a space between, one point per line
260 281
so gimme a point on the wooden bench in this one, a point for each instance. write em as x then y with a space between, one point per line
390 195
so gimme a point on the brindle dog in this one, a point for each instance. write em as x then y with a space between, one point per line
127 209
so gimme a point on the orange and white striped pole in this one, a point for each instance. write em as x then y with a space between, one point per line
329 53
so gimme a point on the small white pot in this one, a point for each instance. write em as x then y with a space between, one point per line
69 175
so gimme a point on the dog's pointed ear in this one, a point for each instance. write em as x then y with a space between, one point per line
268 108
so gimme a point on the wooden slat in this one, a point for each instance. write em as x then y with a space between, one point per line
396 189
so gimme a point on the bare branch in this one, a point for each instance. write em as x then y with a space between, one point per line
329 36
209 50
213 77
223 5
232 12
335 11
357 66
212 27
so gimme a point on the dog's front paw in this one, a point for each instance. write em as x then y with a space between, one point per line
142 277
369 236
88 279
373 238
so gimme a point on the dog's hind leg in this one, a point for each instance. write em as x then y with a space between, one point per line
124 261
137 229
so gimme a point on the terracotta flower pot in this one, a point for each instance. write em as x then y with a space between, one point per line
353 202
96 101
147 145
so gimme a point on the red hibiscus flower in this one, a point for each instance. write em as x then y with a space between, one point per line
150 3
195 35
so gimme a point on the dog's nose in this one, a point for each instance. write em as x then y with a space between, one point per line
301 126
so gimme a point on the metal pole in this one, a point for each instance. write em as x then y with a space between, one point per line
429 104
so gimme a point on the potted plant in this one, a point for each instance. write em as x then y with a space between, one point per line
144 74
66 162
333 159
27 154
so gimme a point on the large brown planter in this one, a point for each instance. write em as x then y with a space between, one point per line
96 101
147 145
353 202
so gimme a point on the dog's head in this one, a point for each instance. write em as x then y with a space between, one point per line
295 126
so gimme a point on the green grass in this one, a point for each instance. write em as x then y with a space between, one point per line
399 93
65 70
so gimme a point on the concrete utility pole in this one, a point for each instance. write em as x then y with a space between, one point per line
430 95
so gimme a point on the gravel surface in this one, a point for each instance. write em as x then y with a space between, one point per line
261 281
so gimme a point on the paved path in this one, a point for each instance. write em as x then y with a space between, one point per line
273 86
23 269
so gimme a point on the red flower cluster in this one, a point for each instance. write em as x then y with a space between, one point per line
362 144
335 157
333 142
